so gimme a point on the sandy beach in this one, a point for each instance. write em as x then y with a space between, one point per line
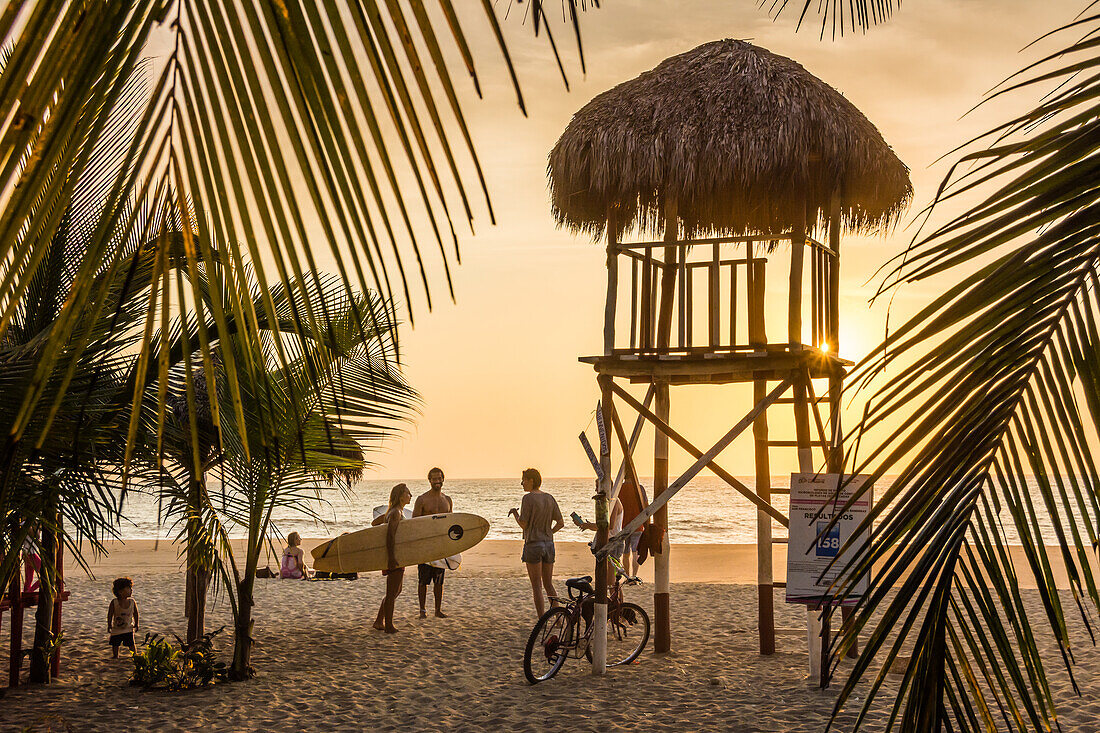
321 666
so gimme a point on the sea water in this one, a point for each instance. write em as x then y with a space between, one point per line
706 511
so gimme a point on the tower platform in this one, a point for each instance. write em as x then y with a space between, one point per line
706 366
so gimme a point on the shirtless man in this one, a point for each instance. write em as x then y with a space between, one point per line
432 501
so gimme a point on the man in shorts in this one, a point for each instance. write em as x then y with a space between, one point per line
432 501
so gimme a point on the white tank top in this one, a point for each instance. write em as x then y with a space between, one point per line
122 619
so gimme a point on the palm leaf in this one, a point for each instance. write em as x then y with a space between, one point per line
994 437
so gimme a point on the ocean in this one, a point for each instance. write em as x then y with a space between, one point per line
705 511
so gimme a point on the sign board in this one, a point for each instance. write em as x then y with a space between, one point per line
602 430
813 545
591 456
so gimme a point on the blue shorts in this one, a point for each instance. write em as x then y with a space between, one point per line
538 552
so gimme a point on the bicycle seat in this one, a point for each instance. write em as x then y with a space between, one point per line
582 584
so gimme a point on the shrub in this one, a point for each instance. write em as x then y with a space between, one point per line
161 664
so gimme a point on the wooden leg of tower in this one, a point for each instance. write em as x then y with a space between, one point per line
764 579
817 623
836 465
599 609
662 639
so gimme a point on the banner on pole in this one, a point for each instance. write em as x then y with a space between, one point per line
603 431
812 544
591 456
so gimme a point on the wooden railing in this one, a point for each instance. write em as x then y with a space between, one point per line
715 300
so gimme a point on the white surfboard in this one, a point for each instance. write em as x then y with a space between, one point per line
419 540
380 510
452 562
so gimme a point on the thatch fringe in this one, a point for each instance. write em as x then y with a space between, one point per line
744 140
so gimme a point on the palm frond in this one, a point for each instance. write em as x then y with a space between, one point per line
837 16
985 426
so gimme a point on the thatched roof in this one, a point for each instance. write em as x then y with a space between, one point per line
743 139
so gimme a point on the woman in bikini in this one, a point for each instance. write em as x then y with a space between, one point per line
395 576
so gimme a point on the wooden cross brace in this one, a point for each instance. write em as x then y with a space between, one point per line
703 460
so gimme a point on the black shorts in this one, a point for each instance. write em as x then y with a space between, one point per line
118 640
428 574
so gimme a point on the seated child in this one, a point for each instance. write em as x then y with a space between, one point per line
294 564
122 616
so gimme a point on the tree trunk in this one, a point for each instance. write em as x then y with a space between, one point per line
198 564
242 641
43 616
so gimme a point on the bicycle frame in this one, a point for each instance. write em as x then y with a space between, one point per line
574 606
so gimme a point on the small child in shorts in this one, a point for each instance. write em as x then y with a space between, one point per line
122 616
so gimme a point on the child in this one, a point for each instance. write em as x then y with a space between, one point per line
122 616
395 576
293 565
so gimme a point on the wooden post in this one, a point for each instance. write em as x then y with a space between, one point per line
794 303
836 380
816 619
757 334
612 286
662 634
764 576
714 292
599 621
835 223
685 325
813 640
15 660
668 278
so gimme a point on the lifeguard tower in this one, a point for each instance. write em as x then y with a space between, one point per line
732 156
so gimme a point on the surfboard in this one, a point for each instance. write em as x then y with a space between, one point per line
418 540
380 510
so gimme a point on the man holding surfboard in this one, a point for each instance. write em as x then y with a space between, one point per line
432 501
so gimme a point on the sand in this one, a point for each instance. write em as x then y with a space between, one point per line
322 667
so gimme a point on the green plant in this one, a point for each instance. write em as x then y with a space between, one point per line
198 666
161 664
155 664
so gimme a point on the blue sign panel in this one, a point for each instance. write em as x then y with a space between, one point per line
828 544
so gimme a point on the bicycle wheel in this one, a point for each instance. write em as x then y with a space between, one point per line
627 634
548 647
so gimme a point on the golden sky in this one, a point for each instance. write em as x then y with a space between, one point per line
498 368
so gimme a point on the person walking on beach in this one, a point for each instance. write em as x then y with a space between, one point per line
539 517
122 616
432 501
395 576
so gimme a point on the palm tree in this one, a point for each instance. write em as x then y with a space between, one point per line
260 111
384 396
310 420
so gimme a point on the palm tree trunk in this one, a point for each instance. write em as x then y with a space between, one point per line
243 623
241 668
198 562
43 616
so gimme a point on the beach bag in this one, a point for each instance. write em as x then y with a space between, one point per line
325 575
454 562
266 572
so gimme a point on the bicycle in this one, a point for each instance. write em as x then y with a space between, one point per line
558 633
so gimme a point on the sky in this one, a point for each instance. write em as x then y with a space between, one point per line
497 369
